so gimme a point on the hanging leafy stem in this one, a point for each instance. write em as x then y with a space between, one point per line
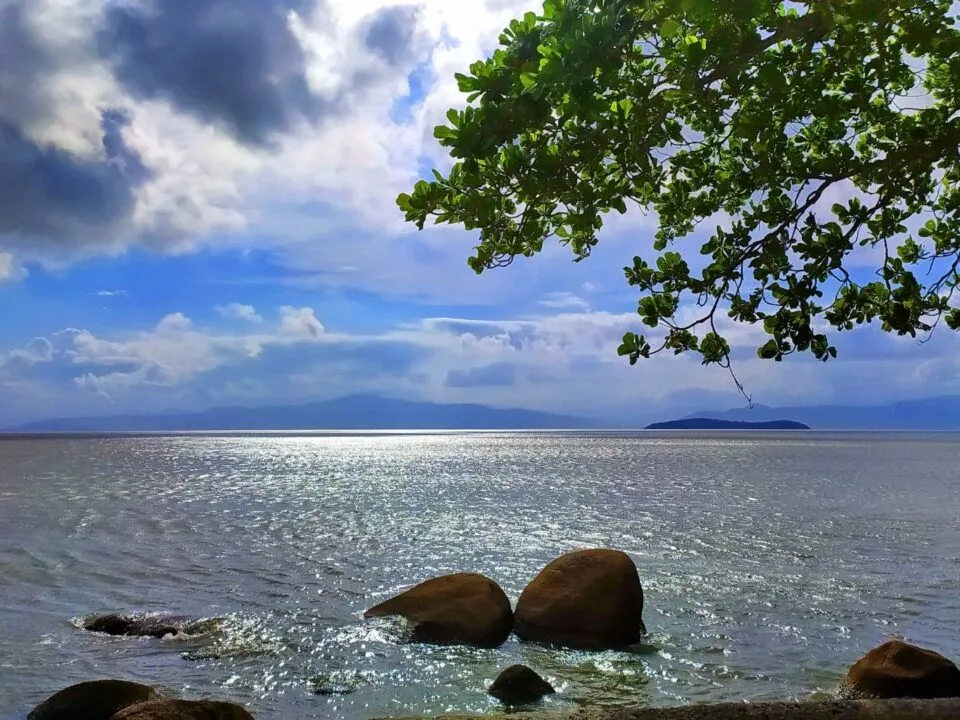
810 132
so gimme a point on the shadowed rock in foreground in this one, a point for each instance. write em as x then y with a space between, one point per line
587 599
184 710
458 609
519 685
93 700
897 669
943 709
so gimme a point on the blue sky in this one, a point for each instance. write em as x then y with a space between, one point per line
176 233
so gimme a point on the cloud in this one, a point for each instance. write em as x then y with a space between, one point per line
494 375
283 125
112 293
564 300
50 194
563 362
235 63
390 33
239 311
9 270
300 322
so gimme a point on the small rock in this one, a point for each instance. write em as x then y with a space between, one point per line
458 609
588 599
123 625
897 669
184 710
93 700
336 683
519 685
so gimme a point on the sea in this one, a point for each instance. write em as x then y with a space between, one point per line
770 561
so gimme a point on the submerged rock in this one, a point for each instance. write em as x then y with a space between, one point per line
133 626
336 683
588 599
458 609
184 710
93 700
897 669
519 685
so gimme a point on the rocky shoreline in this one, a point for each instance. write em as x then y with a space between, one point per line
587 599
901 709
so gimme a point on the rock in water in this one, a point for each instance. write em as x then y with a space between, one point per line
588 599
897 669
184 710
519 685
458 609
123 625
93 700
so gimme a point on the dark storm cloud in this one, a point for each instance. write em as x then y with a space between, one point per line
236 63
47 192
232 63
390 33
22 64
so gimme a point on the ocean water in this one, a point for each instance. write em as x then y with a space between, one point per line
770 561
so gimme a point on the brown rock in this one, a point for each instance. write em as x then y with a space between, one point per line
588 599
184 710
897 669
93 700
519 685
123 625
458 609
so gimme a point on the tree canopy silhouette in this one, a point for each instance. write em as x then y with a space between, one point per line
803 135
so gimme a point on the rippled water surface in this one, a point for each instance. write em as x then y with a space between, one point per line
769 561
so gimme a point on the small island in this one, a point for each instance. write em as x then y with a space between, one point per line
713 424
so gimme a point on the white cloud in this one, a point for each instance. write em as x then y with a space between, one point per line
563 300
300 322
239 311
563 362
9 269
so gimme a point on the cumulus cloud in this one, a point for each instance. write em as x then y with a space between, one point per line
283 124
239 311
564 362
300 322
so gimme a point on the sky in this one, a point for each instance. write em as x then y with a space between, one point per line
197 209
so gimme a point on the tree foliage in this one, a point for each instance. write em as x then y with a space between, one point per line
744 114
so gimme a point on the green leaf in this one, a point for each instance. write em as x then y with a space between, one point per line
670 28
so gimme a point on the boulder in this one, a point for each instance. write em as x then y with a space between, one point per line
519 685
123 625
458 609
588 599
897 669
184 710
93 700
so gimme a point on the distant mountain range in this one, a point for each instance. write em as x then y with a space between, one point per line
701 423
370 412
357 412
935 413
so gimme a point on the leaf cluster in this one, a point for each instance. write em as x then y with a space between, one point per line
813 135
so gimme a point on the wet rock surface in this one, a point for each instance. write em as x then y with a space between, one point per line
520 685
92 700
458 609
